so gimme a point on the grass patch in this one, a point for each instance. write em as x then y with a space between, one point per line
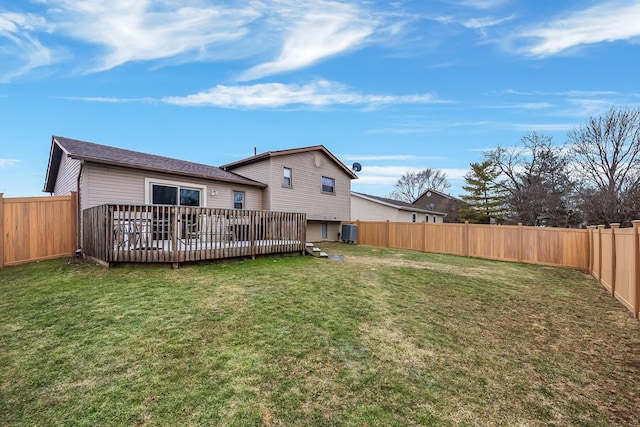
387 337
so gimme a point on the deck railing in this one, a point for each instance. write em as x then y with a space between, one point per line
145 233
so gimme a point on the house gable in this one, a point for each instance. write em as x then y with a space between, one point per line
436 200
307 169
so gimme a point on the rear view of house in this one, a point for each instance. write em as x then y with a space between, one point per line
140 207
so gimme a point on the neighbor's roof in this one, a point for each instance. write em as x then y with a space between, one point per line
440 193
104 154
404 206
270 154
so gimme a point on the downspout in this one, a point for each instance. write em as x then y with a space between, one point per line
79 213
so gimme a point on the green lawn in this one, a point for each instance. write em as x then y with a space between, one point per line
386 337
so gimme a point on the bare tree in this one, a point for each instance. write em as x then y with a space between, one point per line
606 154
412 184
537 179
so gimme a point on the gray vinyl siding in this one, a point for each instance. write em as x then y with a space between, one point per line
305 195
314 231
67 179
367 210
112 184
260 172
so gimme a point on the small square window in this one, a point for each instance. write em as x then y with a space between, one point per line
238 200
286 177
328 185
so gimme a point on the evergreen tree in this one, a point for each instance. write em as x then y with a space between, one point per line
485 196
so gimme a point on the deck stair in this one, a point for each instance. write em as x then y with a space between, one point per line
316 252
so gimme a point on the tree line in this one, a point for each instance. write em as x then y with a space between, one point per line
593 178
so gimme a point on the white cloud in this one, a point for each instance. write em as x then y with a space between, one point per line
5 163
524 106
389 175
320 93
387 157
483 4
147 30
323 30
605 22
480 23
542 127
21 51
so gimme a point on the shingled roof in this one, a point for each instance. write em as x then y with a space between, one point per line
270 154
104 154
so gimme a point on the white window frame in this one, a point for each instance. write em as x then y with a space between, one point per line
322 185
233 199
414 217
290 177
324 231
149 182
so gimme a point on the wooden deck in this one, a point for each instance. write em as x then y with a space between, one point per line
173 234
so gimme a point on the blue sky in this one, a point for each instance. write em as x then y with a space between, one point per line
395 85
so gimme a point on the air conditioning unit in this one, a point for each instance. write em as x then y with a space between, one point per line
349 233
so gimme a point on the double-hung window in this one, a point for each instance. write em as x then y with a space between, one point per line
328 185
287 178
238 200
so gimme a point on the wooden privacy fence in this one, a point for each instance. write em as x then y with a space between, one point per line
548 246
611 255
615 262
174 234
37 228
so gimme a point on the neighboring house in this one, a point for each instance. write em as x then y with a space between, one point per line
309 180
441 202
365 207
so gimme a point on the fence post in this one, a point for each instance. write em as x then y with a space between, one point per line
590 245
388 233
75 220
1 231
466 238
424 236
636 268
600 228
614 226
519 242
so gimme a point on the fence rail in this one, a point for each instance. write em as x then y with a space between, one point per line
611 255
174 234
37 228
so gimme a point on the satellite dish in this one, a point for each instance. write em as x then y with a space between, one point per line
357 167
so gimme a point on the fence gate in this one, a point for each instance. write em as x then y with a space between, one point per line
37 228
